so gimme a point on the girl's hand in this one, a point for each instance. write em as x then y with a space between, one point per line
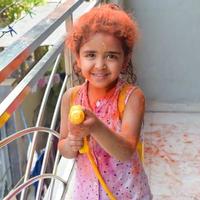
89 125
75 142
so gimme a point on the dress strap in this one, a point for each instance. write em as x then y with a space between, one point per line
75 91
124 95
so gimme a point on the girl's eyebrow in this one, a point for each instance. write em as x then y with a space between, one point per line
89 51
110 52
114 52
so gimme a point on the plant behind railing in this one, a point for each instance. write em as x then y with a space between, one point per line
13 10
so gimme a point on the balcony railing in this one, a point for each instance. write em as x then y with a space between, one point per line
10 60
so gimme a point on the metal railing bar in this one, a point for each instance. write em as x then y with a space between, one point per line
23 132
98 2
17 190
49 140
38 123
15 97
4 154
19 182
57 108
14 55
58 154
68 54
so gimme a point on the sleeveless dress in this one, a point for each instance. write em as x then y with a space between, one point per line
127 180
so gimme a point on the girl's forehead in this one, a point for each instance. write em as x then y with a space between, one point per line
103 41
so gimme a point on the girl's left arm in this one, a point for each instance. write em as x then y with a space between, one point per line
122 146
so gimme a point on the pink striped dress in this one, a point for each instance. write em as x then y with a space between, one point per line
127 180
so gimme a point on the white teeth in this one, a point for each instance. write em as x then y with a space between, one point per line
99 75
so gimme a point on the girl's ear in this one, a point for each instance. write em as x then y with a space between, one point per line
76 66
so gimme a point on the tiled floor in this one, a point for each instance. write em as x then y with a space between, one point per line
172 155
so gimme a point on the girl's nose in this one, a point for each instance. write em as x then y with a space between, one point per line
100 64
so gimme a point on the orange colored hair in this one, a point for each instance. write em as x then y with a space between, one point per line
107 18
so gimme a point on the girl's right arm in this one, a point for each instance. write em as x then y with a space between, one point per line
68 144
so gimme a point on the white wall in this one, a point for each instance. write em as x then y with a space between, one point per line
167 55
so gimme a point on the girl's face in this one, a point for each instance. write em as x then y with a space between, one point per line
101 59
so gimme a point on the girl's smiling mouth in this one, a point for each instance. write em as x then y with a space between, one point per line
100 75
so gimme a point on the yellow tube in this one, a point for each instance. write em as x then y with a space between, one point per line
98 175
76 116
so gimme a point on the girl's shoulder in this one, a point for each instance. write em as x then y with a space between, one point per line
126 91
70 94
73 93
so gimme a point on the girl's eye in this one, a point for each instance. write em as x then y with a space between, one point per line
90 55
111 57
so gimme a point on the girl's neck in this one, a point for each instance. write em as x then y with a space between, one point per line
95 94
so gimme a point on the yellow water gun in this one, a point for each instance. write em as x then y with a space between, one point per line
77 116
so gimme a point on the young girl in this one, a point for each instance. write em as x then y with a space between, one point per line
102 42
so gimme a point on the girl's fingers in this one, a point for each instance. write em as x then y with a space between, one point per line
88 113
75 129
86 126
89 122
75 137
75 142
76 147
